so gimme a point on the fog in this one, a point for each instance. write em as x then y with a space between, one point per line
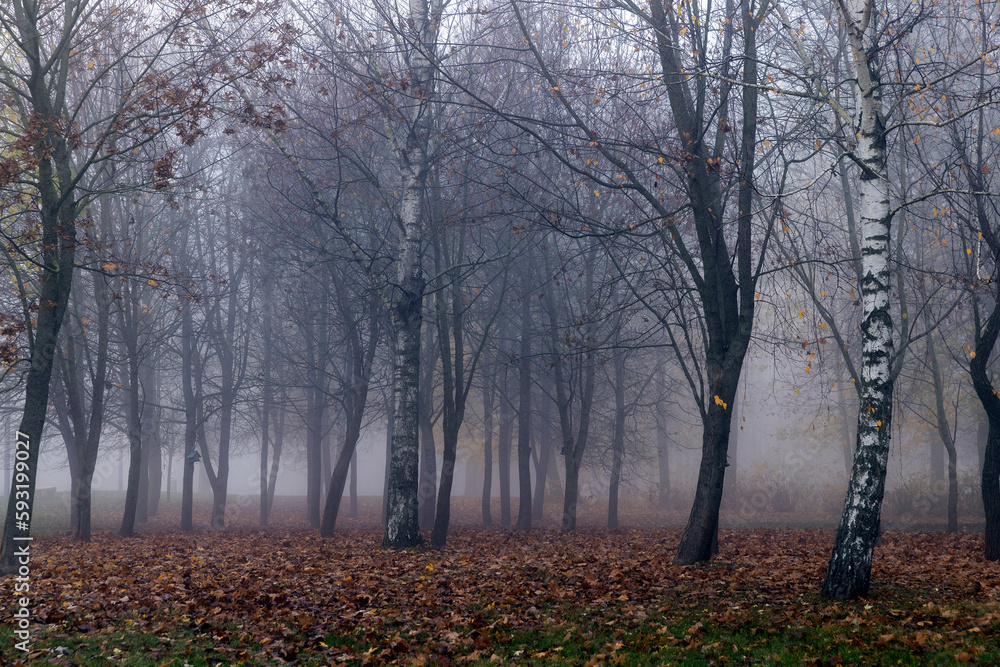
565 253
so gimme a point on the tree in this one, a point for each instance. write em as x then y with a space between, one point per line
52 82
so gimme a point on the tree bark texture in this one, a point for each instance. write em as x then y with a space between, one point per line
848 574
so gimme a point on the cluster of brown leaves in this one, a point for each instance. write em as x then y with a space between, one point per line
297 595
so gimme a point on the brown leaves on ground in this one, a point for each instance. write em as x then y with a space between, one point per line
282 596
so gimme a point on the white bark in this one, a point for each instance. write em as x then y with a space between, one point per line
849 571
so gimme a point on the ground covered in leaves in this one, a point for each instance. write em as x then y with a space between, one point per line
498 596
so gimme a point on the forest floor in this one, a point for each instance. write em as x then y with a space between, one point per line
492 596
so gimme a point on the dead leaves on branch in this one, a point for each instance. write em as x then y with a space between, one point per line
295 596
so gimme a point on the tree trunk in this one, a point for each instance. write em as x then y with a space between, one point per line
353 512
617 439
662 439
503 453
524 418
267 405
151 428
361 356
57 213
574 447
389 424
544 440
402 526
489 379
279 440
134 430
191 400
848 574
428 450
945 432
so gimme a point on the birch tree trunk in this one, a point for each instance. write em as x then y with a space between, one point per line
848 574
420 30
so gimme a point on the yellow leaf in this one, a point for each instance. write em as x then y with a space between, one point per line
596 193
109 266
153 282
661 160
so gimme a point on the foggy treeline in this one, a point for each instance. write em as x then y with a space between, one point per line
564 241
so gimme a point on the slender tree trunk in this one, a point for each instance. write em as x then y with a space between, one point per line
389 423
428 450
489 380
313 453
574 448
848 574
617 439
944 431
360 361
151 427
134 432
524 418
267 401
544 441
354 486
191 399
503 454
62 400
57 214
279 439
662 439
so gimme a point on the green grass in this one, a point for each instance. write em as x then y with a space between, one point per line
885 631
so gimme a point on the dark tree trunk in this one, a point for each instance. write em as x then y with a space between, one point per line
428 450
389 424
574 447
132 490
544 440
267 405
353 512
489 380
945 432
617 439
361 355
151 431
662 438
279 440
192 398
62 403
503 454
402 526
57 214
524 418
728 302
314 444
985 341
